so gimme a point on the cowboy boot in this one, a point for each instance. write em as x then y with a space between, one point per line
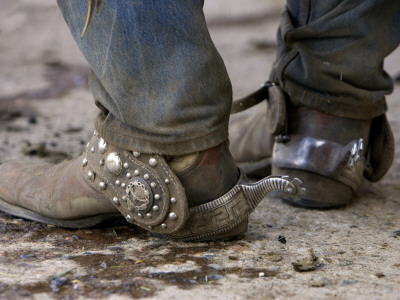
250 144
330 154
201 196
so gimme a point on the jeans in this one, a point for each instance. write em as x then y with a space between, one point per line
156 76
330 54
162 87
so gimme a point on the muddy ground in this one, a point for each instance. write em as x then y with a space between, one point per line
46 114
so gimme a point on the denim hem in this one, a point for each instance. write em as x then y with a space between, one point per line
345 107
133 142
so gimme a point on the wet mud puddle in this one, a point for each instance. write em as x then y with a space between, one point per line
105 261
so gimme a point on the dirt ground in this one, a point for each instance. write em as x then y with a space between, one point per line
47 113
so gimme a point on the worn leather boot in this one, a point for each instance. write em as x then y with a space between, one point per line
329 154
250 143
201 196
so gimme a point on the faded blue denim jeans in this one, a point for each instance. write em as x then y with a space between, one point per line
156 75
163 88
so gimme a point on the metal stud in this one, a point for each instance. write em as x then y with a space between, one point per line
163 225
146 176
129 218
117 182
124 198
102 185
136 173
102 145
173 200
153 162
148 215
150 227
114 163
123 185
90 175
155 208
173 216
92 149
157 197
140 215
95 133
87 145
136 154
128 175
126 165
116 201
101 162
166 180
84 162
153 185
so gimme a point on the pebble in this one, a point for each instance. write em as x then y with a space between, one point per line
282 239
318 282
215 267
347 282
214 277
27 255
57 283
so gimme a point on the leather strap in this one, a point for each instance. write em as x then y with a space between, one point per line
252 99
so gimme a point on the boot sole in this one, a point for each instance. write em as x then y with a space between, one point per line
85 222
321 191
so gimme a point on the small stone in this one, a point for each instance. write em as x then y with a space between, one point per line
379 274
318 282
215 267
347 282
307 264
27 256
214 277
282 239
261 274
57 283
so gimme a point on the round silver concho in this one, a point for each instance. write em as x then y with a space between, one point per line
114 163
139 196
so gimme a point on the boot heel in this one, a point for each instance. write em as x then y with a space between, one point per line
321 191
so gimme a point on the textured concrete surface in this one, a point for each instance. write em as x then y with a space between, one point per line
46 114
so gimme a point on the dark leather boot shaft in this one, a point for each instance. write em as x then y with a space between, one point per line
213 172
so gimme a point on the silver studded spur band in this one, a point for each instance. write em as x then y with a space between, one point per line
221 215
148 193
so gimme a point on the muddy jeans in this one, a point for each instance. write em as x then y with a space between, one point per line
162 86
